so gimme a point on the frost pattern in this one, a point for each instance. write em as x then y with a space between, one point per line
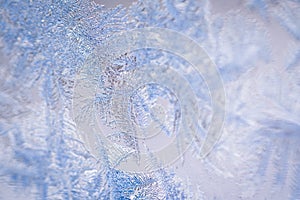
255 45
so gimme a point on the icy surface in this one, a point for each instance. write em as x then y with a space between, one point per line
255 45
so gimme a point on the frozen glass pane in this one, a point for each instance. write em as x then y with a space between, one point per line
153 99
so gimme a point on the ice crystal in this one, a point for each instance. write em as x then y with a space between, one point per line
44 155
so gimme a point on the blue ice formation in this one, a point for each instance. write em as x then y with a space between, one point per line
255 45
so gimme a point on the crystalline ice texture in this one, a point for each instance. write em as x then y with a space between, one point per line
255 45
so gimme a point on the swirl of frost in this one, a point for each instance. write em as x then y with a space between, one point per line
43 45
